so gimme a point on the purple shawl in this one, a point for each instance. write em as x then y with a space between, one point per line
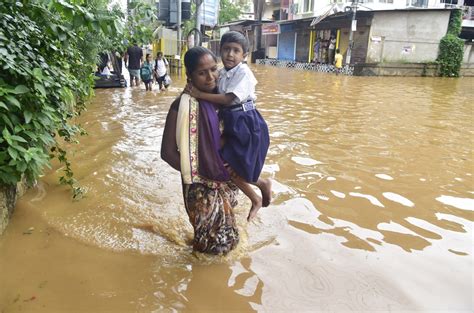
211 164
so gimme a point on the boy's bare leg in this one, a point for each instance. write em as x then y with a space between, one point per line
265 186
249 192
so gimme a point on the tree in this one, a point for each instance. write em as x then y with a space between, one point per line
141 21
48 53
228 11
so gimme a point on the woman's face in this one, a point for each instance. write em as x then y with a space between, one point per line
205 75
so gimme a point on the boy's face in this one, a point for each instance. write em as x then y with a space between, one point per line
232 54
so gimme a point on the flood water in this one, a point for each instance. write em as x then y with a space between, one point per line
372 210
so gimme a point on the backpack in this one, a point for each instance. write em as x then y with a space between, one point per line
145 72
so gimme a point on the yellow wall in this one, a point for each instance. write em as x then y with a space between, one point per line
344 40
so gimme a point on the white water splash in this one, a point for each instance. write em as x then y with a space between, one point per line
305 161
384 176
460 203
397 198
338 194
372 199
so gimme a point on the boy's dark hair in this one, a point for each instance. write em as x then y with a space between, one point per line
159 53
193 56
236 37
337 50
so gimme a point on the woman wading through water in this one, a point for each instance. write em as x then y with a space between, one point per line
191 143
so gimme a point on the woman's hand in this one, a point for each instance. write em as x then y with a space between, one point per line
191 90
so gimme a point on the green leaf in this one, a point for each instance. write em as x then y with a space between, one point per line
13 101
6 133
38 74
3 105
62 36
27 156
19 148
78 21
21 166
41 89
28 115
89 16
13 153
96 26
20 89
7 121
18 138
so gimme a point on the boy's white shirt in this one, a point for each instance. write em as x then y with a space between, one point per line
240 81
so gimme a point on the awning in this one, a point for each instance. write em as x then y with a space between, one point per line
321 17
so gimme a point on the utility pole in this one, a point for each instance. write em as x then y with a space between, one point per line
178 31
351 34
198 23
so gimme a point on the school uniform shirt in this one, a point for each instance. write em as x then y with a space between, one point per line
240 81
160 67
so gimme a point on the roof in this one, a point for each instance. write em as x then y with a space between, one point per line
365 12
245 22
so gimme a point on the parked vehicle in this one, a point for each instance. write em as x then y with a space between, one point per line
107 78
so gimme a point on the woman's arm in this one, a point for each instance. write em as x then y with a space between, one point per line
169 149
219 98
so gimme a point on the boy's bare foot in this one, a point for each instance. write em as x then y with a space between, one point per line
266 189
257 205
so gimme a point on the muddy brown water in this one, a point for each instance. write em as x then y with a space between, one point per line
372 210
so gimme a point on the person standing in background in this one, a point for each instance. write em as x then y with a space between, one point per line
316 47
332 46
161 69
133 58
146 72
338 61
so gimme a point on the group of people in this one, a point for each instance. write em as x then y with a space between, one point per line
217 139
324 51
148 71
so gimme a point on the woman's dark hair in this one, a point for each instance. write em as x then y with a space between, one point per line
193 56
236 37
147 55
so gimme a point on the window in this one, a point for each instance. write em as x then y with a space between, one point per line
308 6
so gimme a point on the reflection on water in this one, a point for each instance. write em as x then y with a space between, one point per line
373 207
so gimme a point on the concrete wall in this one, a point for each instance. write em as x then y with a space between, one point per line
467 70
406 36
395 69
468 57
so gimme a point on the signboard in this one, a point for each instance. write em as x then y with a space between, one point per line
209 13
270 29
354 25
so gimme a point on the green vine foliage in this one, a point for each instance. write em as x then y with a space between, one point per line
451 47
48 52
455 23
141 21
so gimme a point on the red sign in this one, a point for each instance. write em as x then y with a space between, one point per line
270 29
